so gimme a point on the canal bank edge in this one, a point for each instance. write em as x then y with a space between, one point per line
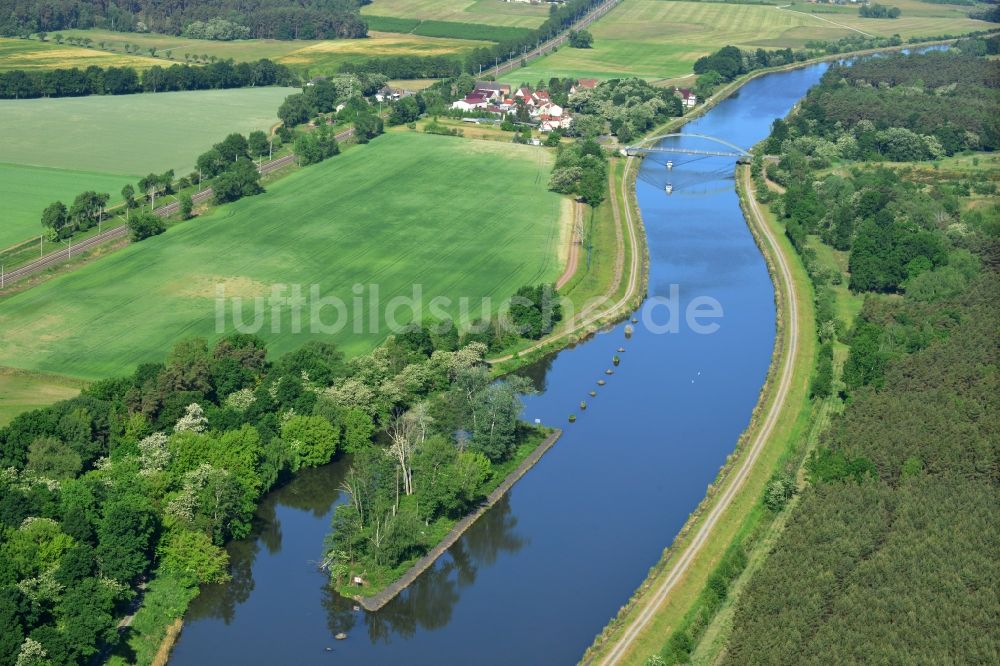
632 255
377 601
793 313
621 623
633 297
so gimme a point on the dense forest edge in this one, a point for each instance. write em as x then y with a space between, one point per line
904 479
261 19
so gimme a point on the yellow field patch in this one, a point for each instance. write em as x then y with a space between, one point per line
34 335
31 54
412 84
211 286
378 44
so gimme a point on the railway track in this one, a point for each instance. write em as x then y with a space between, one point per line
547 47
67 253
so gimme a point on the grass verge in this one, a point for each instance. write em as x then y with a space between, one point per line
792 425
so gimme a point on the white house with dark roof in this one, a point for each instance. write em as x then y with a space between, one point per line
471 101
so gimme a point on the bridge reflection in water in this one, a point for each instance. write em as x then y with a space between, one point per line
657 145
688 171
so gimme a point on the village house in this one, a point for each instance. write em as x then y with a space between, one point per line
492 90
498 99
549 109
688 98
525 95
471 101
583 84
549 123
387 94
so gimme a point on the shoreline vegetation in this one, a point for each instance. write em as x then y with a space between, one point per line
900 441
376 601
138 450
799 418
584 327
695 624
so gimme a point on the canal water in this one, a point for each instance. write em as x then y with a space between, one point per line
539 575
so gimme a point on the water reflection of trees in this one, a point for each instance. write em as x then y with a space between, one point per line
312 490
537 372
430 601
220 600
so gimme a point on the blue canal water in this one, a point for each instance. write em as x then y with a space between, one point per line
539 575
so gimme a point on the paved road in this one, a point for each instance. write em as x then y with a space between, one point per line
680 567
66 253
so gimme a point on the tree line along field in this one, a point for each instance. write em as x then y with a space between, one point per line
307 56
488 12
57 148
459 217
25 190
659 39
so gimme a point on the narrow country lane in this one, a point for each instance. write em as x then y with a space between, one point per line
791 343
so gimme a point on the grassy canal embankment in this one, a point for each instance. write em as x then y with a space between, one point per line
740 530
731 508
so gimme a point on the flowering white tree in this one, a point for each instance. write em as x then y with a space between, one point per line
193 421
31 653
154 456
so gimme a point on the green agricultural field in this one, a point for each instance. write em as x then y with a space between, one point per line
24 391
459 217
25 190
314 57
57 148
31 54
490 12
660 39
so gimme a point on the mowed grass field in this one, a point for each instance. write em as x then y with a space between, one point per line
57 148
459 217
308 56
661 39
490 12
918 19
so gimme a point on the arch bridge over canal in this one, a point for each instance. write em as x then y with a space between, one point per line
649 146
